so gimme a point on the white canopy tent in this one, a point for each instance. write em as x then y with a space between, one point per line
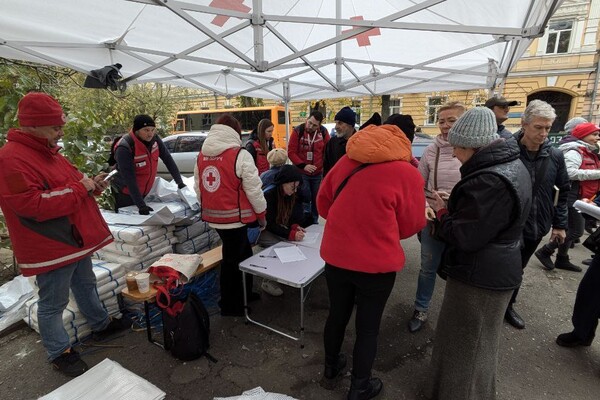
281 49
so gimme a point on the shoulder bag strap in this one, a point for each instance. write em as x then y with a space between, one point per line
345 181
435 168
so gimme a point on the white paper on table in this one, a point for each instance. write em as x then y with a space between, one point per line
586 208
289 254
310 237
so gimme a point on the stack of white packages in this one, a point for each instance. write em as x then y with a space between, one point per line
136 247
110 281
195 238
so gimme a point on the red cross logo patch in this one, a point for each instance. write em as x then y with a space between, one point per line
211 179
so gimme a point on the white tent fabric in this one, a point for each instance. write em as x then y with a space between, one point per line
281 49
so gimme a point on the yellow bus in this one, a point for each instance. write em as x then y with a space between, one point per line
202 120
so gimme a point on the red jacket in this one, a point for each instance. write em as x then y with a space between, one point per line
262 164
380 204
51 218
224 201
301 143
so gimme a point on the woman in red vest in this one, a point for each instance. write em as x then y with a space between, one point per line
136 156
260 143
230 193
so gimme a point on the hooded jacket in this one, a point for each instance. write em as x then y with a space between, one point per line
380 204
487 211
219 139
52 219
259 157
582 167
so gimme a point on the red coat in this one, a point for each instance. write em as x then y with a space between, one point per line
380 204
224 201
301 143
51 218
262 164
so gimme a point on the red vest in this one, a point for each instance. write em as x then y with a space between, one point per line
223 198
587 189
262 164
145 164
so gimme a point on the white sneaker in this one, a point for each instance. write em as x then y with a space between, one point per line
271 288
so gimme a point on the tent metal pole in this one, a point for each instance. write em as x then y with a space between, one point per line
257 27
338 46
286 102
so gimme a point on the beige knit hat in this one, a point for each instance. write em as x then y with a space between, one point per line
277 157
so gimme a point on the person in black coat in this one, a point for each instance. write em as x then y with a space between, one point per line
345 120
551 185
482 225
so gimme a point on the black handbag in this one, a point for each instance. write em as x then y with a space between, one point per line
592 242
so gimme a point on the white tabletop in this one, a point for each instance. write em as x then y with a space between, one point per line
317 243
295 274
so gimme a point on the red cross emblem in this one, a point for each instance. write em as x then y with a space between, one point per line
363 38
235 5
211 179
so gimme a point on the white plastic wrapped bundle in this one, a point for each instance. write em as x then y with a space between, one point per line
138 250
184 233
126 261
136 234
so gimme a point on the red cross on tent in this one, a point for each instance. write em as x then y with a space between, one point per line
363 38
235 5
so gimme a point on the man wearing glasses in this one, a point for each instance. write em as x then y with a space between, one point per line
500 106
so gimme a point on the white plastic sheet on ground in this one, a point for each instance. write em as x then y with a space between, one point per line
13 296
257 393
107 381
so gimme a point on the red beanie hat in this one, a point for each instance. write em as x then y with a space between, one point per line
40 109
582 130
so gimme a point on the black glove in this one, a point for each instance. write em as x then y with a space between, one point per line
181 185
145 210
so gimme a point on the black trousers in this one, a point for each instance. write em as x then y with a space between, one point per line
587 302
236 248
529 247
370 293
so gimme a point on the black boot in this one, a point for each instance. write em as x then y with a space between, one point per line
364 388
571 340
562 262
513 318
543 254
333 372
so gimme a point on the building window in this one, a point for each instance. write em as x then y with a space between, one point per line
559 37
395 106
433 104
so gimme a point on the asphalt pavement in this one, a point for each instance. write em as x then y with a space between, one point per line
531 365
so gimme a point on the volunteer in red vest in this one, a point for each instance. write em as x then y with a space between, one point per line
230 193
137 157
306 150
260 143
54 225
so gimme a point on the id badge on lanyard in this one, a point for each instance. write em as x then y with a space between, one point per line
309 156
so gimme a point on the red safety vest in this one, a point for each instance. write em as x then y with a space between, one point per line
145 164
223 198
262 164
587 189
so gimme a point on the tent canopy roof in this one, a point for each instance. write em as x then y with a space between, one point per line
281 49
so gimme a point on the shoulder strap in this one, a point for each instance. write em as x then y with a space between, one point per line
435 169
345 181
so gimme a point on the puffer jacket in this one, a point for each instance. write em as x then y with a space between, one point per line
448 173
486 214
544 214
221 138
585 178
380 204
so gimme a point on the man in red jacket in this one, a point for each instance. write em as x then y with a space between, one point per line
306 149
54 226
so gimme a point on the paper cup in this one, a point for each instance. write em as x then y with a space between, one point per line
143 282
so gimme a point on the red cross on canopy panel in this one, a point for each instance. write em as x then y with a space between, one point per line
235 5
363 38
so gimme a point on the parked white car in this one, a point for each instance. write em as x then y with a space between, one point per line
184 148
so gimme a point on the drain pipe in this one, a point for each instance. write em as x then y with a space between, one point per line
593 101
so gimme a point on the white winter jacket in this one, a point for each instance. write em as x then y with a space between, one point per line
573 159
220 138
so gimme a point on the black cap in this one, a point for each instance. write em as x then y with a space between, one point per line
141 121
500 101
374 120
288 173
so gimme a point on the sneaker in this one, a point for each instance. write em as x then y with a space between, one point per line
417 321
271 288
69 363
114 326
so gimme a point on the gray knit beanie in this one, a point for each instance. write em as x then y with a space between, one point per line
474 129
572 123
